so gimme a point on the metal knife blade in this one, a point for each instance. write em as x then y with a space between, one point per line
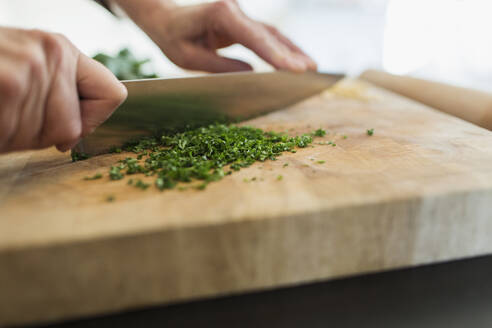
154 105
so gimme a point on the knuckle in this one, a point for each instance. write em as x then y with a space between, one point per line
11 87
70 136
68 132
34 59
36 34
73 132
8 126
58 37
6 130
272 29
224 7
53 46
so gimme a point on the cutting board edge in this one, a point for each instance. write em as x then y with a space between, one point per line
211 268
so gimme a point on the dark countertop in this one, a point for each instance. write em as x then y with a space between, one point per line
454 294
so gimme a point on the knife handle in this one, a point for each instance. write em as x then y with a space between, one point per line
471 105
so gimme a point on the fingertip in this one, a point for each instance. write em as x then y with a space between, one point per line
120 94
219 64
67 146
296 65
312 65
243 67
63 147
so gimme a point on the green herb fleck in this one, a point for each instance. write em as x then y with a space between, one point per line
286 164
94 177
321 162
319 133
370 132
116 150
345 137
115 173
202 186
78 156
142 185
280 177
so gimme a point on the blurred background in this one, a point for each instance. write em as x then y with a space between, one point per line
443 40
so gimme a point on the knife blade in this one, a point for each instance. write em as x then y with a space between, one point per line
172 104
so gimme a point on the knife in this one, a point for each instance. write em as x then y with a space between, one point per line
157 105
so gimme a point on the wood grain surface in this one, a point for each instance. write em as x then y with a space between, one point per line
418 191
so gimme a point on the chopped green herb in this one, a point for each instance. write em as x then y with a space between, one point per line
370 132
286 164
78 156
94 177
202 186
142 185
253 179
203 154
115 173
319 133
245 180
116 150
321 162
345 137
280 177
334 144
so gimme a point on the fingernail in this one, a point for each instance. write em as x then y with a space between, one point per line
296 64
65 147
313 64
62 148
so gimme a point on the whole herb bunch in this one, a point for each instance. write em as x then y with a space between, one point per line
125 65
205 154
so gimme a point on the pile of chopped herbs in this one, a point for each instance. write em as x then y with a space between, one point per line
202 155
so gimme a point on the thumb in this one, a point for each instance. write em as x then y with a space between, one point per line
201 59
100 93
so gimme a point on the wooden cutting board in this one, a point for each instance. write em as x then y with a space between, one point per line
418 191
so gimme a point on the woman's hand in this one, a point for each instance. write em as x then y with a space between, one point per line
190 35
50 93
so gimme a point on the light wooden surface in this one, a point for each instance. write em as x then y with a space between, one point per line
418 191
471 105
